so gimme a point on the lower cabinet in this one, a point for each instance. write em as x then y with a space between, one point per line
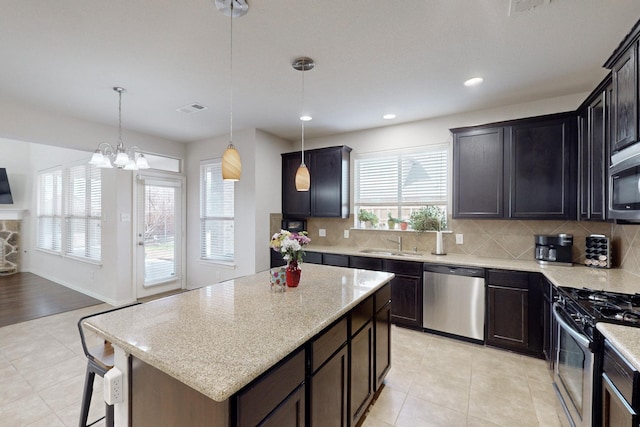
290 413
620 389
406 292
514 311
382 344
361 373
328 392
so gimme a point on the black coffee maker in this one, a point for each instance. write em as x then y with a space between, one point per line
554 249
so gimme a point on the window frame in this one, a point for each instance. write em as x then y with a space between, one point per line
397 206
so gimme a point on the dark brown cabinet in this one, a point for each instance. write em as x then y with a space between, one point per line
542 159
383 343
593 153
514 311
328 196
478 183
290 413
406 292
620 390
329 378
518 169
361 372
624 103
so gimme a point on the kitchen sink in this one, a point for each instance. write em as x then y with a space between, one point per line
388 252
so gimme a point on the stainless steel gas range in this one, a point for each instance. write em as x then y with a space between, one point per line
578 346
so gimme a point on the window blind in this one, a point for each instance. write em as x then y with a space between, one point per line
50 210
83 212
216 213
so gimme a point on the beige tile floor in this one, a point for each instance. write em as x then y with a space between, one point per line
433 381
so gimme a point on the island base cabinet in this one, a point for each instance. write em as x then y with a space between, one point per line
328 391
160 400
269 397
361 372
290 413
383 344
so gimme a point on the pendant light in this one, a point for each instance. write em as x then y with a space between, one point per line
231 163
123 158
303 179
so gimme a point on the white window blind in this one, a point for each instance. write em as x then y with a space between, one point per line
50 210
83 212
216 213
397 182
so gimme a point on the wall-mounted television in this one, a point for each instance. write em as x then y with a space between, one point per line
5 190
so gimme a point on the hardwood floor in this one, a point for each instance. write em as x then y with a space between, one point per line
26 296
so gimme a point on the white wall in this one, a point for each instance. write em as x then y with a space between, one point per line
257 194
51 139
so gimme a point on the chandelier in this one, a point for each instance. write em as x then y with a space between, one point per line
106 155
303 179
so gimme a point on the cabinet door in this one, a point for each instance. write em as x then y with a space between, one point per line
329 392
542 163
295 204
598 157
478 179
290 413
406 297
382 344
584 165
507 317
625 100
326 181
362 374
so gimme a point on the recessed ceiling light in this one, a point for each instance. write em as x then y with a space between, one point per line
389 116
305 118
474 81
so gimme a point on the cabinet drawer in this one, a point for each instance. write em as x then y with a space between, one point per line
619 371
508 279
313 257
328 343
335 260
263 396
383 296
366 263
407 268
361 314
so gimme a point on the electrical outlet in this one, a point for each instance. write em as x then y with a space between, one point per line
113 392
459 239
346 234
322 232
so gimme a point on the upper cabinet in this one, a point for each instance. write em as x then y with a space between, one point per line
623 64
519 169
594 135
328 196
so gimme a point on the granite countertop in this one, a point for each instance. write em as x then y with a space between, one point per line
217 339
576 276
626 339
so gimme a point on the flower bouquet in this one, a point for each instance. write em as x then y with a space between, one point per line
290 246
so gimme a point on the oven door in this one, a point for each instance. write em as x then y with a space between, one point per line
573 374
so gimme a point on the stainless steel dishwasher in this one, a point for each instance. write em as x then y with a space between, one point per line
453 300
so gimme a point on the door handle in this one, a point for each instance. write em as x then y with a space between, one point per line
140 243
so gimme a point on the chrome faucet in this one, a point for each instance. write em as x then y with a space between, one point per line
398 241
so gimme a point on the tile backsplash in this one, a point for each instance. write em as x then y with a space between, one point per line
507 239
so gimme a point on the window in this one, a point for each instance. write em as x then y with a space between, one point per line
50 210
216 213
74 231
395 183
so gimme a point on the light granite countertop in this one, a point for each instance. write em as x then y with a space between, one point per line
218 338
576 276
626 339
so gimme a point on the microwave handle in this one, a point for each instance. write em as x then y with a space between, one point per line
582 340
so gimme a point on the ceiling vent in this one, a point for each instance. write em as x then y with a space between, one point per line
519 6
194 107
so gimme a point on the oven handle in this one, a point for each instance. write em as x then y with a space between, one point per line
582 340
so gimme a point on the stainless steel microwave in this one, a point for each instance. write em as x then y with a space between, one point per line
624 185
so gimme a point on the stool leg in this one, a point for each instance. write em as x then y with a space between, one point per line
108 418
86 396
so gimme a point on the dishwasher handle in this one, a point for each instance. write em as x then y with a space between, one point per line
454 270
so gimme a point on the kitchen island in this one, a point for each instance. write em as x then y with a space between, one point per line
221 346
